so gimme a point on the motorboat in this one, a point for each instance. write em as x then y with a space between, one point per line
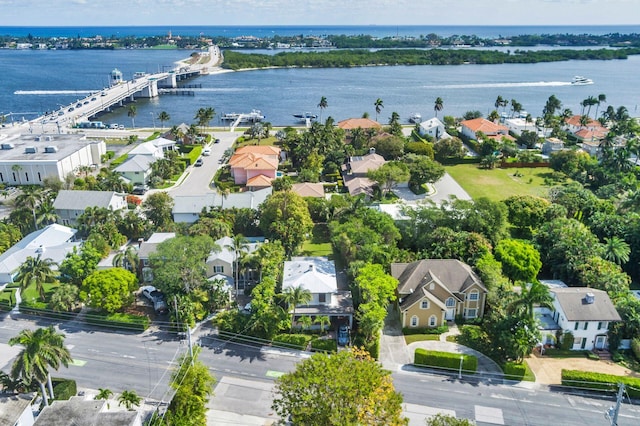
579 80
307 116
415 118
254 116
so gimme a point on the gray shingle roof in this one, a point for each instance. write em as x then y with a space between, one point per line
573 302
80 200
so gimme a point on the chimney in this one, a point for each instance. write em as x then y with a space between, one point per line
590 298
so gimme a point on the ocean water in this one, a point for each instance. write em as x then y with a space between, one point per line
38 81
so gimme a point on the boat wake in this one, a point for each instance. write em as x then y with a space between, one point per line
53 92
490 85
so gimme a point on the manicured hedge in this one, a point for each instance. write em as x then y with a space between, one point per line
324 345
292 341
118 321
448 360
425 330
600 381
115 163
64 389
519 372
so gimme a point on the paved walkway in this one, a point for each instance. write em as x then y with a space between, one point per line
393 349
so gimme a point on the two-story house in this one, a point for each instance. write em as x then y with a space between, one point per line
471 128
318 275
255 165
69 205
434 291
355 172
145 250
584 312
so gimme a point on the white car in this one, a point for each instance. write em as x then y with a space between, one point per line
206 152
156 297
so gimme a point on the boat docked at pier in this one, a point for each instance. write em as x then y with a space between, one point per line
579 80
307 116
415 118
252 117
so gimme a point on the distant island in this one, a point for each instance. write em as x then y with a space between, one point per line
363 41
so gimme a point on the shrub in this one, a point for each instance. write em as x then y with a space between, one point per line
324 345
374 348
600 381
474 337
445 360
635 347
566 343
518 372
292 341
118 320
426 330
64 389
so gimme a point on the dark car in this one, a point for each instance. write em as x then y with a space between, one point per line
343 335
217 141
198 162
139 190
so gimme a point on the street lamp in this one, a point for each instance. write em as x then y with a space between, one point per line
460 369
153 117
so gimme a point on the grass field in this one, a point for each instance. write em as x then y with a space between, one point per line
498 184
420 337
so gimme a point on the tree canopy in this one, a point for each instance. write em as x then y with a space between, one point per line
109 289
284 216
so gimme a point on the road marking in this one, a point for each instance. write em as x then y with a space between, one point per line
489 415
274 374
78 362
129 356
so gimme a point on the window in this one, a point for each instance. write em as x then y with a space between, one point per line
145 262
39 177
322 298
218 269
432 321
577 340
450 303
26 176
575 327
471 313
424 304
14 177
1 177
586 325
601 325
414 321
432 286
473 295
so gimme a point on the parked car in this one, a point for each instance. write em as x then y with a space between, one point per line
140 189
206 152
343 335
156 297
198 162
217 140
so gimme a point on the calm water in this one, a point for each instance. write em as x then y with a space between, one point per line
38 81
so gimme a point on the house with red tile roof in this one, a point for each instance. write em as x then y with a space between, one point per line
572 124
255 166
308 189
362 123
471 128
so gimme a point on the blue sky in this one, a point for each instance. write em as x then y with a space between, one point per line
317 12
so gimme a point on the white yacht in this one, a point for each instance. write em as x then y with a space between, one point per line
579 80
416 118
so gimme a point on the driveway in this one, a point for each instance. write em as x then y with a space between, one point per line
393 349
442 190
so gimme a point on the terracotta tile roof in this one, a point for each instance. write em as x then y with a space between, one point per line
363 123
307 189
253 161
588 135
259 181
258 149
485 126
575 121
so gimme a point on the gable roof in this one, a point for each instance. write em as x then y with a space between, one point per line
316 274
258 149
254 161
137 163
80 200
308 189
149 246
259 181
146 148
416 296
195 203
355 123
364 163
455 276
575 121
358 185
483 125
574 304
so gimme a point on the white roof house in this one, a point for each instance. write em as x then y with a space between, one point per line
318 275
136 169
154 148
187 208
71 204
52 242
434 128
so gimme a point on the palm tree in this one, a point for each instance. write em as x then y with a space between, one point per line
105 394
323 321
616 250
239 245
46 213
534 294
42 348
438 105
294 296
305 322
132 112
162 117
127 259
31 198
204 116
36 271
601 98
65 298
379 105
322 105
129 399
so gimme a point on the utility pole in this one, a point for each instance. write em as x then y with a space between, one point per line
175 306
612 412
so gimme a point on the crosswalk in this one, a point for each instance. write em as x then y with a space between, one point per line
483 415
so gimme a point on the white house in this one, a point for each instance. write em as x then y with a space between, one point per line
434 128
71 204
30 159
137 169
582 311
187 208
51 242
78 410
318 275
148 247
518 125
15 410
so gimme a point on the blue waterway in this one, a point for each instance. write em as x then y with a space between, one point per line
38 81
267 31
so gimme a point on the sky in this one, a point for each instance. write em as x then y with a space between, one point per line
317 12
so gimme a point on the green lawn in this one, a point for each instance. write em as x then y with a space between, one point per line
319 244
410 338
498 184
31 296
